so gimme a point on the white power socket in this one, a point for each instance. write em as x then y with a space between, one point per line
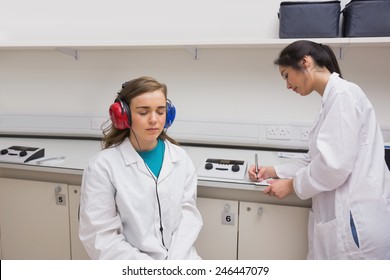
281 132
98 123
305 133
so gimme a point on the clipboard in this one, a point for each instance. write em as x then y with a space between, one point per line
262 183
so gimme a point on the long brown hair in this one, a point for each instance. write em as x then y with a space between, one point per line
113 136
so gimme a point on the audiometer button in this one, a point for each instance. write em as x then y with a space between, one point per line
208 166
23 153
235 168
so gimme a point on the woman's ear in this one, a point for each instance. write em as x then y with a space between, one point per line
306 61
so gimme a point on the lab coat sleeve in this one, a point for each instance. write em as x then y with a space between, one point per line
288 170
337 144
101 230
191 222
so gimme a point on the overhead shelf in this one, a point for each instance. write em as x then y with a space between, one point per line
262 43
72 48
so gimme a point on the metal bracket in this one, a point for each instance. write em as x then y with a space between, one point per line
194 51
68 51
342 51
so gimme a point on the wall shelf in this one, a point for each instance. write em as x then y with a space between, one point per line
262 43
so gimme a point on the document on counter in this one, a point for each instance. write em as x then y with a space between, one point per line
262 183
293 155
50 160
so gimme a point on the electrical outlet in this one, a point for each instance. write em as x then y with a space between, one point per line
305 133
98 123
278 132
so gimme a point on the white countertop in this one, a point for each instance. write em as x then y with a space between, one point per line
78 152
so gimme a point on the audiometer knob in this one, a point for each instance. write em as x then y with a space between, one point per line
23 153
208 166
235 168
4 151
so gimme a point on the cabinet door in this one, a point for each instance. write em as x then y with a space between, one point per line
77 249
34 220
1 250
218 237
272 232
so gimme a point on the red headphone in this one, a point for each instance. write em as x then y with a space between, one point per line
120 114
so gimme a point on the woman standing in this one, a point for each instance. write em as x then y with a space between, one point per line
138 194
346 176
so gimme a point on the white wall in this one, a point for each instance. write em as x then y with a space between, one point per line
137 20
225 85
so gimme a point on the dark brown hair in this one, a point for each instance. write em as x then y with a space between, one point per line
323 56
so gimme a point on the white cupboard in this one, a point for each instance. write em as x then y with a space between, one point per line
257 230
77 249
218 237
34 220
273 232
39 220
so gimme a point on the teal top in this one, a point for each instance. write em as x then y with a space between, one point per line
154 158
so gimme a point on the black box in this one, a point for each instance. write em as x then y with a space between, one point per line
309 19
366 18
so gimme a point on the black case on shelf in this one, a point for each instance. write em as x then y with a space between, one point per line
309 19
366 18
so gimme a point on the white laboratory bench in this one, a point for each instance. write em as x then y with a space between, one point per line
40 202
77 152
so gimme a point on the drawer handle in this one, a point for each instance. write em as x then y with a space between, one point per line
57 190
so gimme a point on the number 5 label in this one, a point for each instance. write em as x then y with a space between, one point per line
60 199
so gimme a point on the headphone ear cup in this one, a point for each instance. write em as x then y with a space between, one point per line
171 114
120 115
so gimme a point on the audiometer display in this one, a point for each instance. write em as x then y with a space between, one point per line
223 169
21 154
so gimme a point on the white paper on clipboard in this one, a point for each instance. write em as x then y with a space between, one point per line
262 183
293 155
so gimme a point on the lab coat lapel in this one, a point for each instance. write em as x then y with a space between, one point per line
130 156
320 116
170 157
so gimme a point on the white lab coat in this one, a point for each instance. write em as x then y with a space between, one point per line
119 214
346 173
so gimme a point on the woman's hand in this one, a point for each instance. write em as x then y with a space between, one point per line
279 188
264 173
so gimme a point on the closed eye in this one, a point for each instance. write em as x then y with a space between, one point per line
284 74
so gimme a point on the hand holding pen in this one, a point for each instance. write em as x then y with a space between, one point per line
255 172
258 173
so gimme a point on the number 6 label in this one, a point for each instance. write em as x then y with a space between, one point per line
228 218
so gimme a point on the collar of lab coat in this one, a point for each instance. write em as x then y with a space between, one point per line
131 156
332 80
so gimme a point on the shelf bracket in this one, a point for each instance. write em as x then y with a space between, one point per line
194 52
342 51
69 51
